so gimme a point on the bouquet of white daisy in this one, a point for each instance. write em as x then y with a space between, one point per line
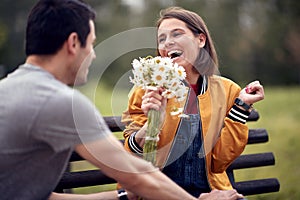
152 73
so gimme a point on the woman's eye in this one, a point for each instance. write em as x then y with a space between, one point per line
176 34
161 40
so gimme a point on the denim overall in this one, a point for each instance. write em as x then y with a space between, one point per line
186 162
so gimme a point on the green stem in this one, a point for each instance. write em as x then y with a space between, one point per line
150 146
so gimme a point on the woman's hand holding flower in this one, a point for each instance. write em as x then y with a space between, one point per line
153 99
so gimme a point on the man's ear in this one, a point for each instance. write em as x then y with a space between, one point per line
202 40
73 43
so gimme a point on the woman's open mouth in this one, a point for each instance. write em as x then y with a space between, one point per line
174 53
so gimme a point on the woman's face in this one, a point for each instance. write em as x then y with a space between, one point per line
177 41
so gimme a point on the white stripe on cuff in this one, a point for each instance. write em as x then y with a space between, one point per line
132 145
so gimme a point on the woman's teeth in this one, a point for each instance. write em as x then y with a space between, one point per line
174 54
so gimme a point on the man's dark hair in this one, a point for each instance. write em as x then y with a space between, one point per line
50 23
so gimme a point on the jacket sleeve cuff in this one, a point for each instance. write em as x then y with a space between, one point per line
238 115
134 146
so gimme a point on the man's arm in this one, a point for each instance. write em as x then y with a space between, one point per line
110 195
133 173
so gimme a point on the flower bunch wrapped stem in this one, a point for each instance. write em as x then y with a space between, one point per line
150 146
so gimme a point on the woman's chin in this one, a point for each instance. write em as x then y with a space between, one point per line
180 61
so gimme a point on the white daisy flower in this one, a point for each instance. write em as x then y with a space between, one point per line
153 73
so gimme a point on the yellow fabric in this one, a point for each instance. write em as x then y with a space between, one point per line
224 139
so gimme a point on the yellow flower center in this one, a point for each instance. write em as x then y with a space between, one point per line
158 77
161 69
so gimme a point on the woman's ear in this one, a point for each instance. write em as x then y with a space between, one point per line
202 40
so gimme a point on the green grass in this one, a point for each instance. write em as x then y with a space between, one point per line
279 114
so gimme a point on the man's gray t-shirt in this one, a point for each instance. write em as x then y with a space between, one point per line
41 121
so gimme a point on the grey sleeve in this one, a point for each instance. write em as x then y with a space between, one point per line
68 118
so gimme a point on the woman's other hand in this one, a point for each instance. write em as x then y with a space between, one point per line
252 93
221 195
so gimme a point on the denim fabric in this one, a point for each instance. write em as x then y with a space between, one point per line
186 163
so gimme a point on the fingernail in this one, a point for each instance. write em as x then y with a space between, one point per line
247 89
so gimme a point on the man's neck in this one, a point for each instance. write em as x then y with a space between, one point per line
49 64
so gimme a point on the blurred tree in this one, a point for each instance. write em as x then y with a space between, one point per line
288 54
255 39
12 26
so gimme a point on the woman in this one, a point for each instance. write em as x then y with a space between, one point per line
194 150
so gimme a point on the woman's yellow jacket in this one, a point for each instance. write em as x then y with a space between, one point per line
224 138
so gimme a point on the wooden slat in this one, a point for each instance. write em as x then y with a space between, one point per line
259 186
75 157
253 160
83 179
96 177
115 125
256 136
254 116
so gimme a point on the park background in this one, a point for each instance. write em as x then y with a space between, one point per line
255 39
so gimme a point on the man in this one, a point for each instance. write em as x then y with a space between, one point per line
42 120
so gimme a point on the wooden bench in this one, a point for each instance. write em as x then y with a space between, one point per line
249 187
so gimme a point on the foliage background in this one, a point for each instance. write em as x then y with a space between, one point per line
255 39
